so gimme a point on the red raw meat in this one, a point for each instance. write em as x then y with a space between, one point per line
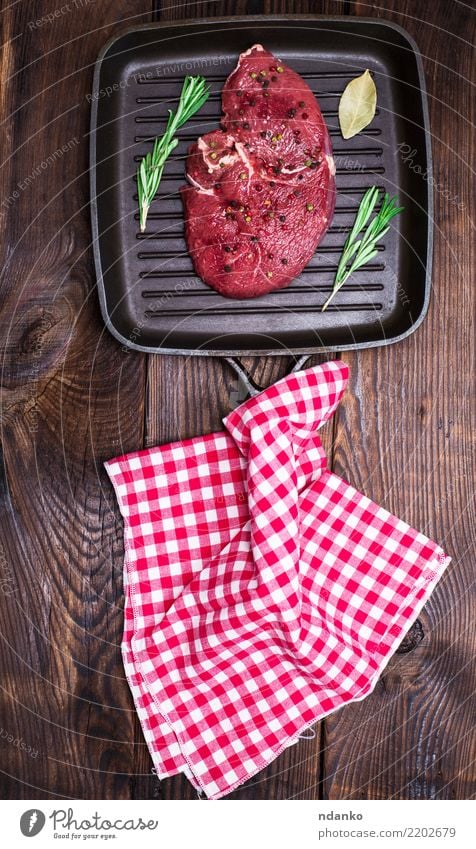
261 188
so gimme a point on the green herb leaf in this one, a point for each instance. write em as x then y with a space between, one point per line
194 93
359 251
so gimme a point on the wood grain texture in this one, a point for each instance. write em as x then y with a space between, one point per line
70 399
167 10
188 396
404 437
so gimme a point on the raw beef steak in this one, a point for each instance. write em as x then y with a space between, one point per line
261 188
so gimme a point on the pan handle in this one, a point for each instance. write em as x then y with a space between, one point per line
252 388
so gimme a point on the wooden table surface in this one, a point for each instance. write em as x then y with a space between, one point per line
72 398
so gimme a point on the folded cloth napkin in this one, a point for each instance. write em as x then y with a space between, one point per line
262 591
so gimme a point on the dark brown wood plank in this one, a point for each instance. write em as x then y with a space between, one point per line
70 400
169 11
291 774
404 437
188 396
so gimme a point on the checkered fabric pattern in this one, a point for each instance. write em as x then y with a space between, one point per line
262 591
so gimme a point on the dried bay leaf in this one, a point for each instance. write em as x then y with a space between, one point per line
357 105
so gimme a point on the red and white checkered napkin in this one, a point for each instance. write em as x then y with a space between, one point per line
262 591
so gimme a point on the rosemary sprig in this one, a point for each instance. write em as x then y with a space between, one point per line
194 93
358 252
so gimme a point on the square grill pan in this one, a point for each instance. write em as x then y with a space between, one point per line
151 299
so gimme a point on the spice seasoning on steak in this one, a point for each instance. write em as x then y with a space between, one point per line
275 195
